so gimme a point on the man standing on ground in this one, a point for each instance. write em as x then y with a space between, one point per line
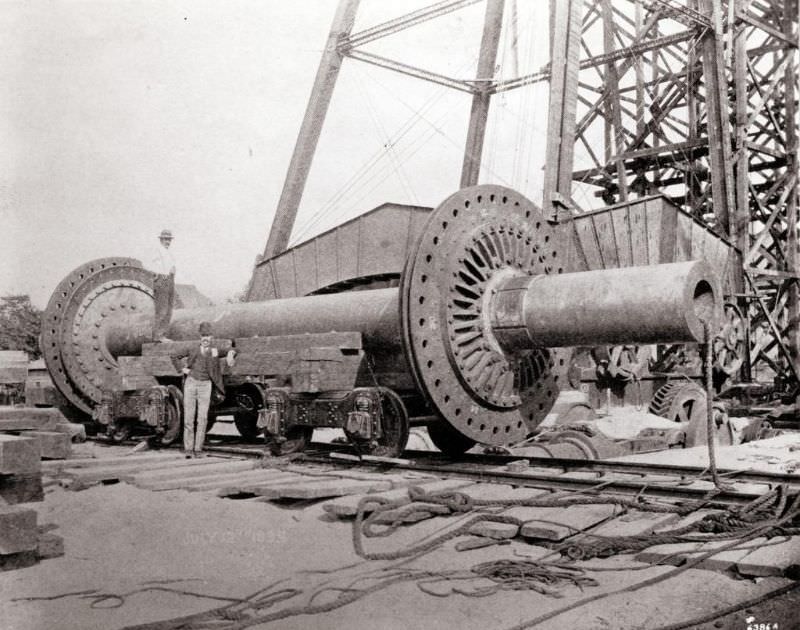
203 373
163 265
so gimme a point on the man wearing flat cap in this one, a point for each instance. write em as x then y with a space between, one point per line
163 267
203 373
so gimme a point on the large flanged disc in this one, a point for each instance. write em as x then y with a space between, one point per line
73 325
476 238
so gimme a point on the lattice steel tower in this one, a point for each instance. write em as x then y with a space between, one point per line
692 99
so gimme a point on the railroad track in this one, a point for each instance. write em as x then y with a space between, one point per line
671 482
554 504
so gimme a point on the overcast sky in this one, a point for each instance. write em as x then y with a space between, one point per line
123 118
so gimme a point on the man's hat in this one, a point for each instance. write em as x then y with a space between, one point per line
165 234
205 328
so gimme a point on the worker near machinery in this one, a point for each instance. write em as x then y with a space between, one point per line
163 267
201 368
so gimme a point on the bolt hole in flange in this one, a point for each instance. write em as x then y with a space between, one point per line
489 230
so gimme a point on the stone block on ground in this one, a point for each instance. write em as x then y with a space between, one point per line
634 523
212 481
491 529
542 525
21 488
30 418
320 489
502 492
132 466
770 557
19 455
755 558
557 523
202 467
21 560
18 530
49 546
88 462
746 487
52 445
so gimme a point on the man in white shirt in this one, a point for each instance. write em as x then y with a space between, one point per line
163 266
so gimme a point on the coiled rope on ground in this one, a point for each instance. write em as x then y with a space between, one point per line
380 517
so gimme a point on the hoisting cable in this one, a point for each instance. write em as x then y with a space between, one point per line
710 433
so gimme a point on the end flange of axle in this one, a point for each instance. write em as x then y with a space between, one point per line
475 240
74 321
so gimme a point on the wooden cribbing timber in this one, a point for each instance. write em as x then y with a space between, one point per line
21 544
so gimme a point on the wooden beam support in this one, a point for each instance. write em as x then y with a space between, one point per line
719 131
790 15
614 129
476 132
310 130
565 38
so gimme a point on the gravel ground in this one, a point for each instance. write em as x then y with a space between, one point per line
134 556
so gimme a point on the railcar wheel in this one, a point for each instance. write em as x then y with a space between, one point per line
297 439
394 424
174 411
249 401
448 440
685 403
121 432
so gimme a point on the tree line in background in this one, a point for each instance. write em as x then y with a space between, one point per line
20 324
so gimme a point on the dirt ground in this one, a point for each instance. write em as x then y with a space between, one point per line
776 613
134 556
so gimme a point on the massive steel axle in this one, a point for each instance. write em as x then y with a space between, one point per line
487 293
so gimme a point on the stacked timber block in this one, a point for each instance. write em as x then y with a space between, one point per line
20 470
21 482
45 425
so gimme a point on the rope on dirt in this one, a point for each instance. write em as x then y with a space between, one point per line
718 526
792 513
512 575
533 575
387 516
519 575
241 619
116 600
421 549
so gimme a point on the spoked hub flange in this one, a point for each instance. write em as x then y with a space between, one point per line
729 343
477 239
73 325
